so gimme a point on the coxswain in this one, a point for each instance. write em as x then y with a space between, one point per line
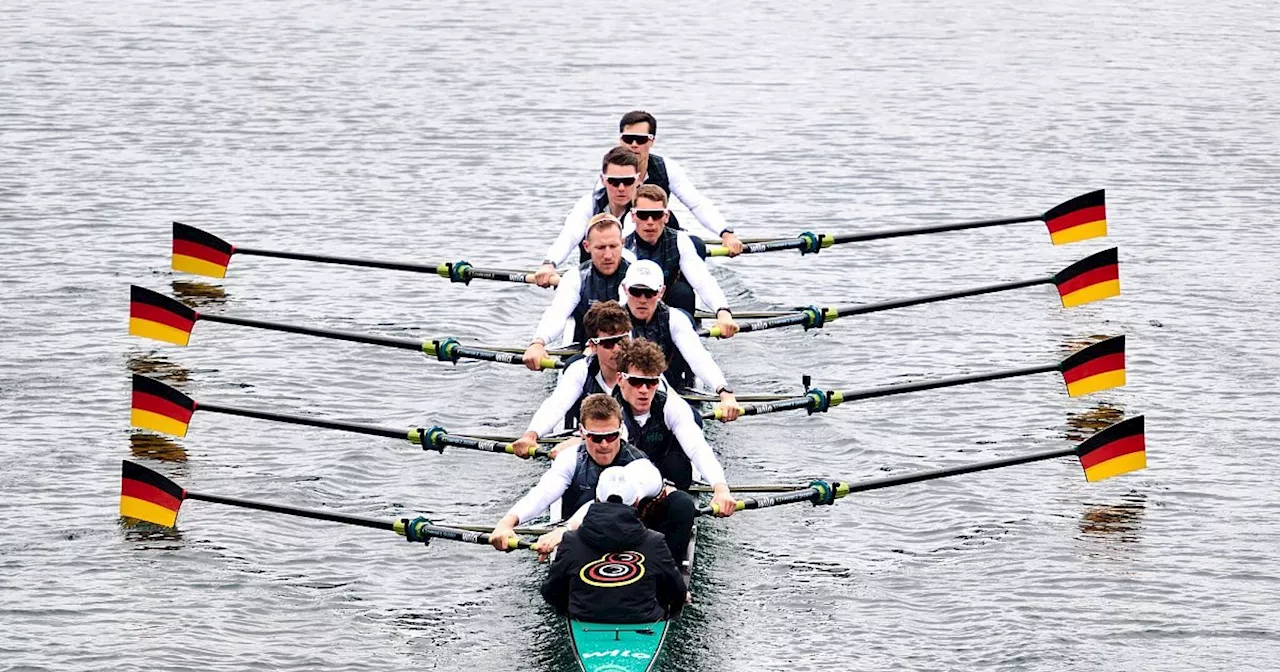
619 178
607 326
597 279
638 130
574 473
612 569
684 271
669 433
673 332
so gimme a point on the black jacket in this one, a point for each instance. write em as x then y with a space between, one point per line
614 570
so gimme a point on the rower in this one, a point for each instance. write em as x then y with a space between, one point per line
619 178
612 569
597 279
574 473
607 325
684 272
669 433
638 131
673 332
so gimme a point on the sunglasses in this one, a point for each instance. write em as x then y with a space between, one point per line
642 292
609 342
602 437
649 215
620 180
641 381
636 138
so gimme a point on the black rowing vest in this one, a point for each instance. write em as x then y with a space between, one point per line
599 204
658 330
658 442
595 287
592 386
586 474
665 253
656 173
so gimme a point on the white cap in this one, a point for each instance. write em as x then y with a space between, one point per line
644 273
645 478
614 483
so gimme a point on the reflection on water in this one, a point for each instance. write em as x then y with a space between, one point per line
147 446
1119 523
1083 424
159 367
199 294
149 536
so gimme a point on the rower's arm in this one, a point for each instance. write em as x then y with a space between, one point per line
679 418
695 271
549 488
702 208
551 326
695 353
554 408
572 233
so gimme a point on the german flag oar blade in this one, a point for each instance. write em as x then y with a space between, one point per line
1118 449
147 496
1080 218
1093 278
1095 368
200 252
153 315
160 408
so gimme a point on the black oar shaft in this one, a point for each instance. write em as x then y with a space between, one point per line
939 228
402 343
889 390
345 261
359 428
294 511
944 472
944 296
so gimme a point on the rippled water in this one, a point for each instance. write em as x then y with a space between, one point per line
438 131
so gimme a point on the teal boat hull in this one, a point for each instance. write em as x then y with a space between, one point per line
617 647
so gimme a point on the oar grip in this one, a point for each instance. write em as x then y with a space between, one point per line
718 251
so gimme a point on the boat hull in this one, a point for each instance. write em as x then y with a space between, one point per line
617 647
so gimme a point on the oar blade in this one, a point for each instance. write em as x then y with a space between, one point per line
199 252
159 408
148 496
1095 368
153 315
1093 278
1118 449
1080 218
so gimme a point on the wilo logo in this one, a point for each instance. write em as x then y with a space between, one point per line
617 653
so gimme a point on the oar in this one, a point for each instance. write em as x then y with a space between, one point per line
1118 449
1080 218
1097 367
160 408
153 315
202 253
150 497
1093 278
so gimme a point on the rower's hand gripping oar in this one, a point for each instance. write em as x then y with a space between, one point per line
1091 369
150 497
1093 278
1080 218
201 253
160 408
1117 449
153 315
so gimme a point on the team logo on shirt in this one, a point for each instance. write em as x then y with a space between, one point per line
614 570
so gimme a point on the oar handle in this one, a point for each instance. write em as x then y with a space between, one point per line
464 272
821 492
419 529
436 438
449 350
806 242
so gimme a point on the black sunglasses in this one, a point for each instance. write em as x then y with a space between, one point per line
642 292
636 139
641 381
620 181
649 215
602 437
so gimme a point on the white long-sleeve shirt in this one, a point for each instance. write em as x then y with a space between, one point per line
693 268
563 303
695 353
551 486
579 218
677 415
554 408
